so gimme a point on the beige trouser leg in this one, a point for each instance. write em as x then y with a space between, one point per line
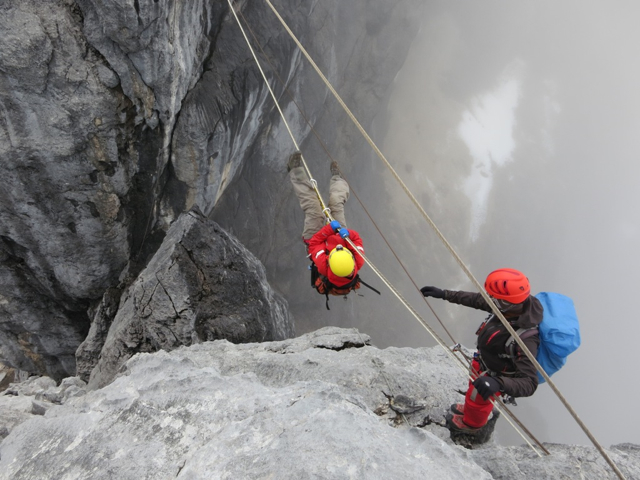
338 196
314 219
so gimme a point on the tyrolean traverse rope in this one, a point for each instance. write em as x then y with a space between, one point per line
451 249
327 213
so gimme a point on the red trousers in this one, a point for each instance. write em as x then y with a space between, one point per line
476 408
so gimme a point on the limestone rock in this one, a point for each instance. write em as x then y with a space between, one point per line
33 397
119 116
201 285
289 409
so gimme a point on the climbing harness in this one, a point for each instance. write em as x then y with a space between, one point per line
324 287
442 238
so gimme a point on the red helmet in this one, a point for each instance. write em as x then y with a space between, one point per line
508 284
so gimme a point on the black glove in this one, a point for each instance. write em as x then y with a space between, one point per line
487 386
434 292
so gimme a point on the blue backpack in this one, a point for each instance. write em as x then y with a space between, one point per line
559 332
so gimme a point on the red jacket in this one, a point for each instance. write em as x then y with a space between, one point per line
326 240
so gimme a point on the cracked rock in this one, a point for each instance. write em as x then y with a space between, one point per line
201 285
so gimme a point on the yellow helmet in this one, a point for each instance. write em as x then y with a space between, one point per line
341 261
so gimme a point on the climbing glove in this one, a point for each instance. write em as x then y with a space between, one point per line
487 386
434 292
343 232
335 224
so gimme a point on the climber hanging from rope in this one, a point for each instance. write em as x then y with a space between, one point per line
496 370
335 261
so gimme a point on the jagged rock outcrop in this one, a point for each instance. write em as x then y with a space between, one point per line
201 285
119 116
309 407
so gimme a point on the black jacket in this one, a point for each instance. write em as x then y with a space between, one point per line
518 376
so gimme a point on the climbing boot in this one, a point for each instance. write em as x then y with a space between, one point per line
458 408
456 423
295 160
334 169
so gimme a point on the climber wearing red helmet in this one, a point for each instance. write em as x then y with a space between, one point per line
496 369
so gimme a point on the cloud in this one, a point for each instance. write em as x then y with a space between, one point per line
487 130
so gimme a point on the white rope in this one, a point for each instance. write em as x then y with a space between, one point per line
314 184
375 269
451 250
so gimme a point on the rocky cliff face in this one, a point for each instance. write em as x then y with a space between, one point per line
201 284
119 116
312 407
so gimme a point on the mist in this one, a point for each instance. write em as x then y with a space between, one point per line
517 127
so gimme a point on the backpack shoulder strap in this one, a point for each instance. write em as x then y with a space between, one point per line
510 344
314 273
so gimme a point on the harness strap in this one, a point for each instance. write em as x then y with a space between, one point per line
369 286
491 373
509 345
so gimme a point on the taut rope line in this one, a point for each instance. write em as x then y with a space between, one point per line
452 250
506 409
326 211
355 194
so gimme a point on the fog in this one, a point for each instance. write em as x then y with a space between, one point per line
517 128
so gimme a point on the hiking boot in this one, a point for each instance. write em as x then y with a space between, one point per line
334 169
458 408
295 160
456 423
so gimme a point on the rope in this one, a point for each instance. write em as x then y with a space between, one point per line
328 153
353 191
314 184
499 405
451 249
325 210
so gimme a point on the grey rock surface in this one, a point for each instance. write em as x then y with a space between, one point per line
63 234
202 284
119 116
33 397
308 407
565 461
13 412
291 409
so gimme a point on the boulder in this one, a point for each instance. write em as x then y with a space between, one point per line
201 285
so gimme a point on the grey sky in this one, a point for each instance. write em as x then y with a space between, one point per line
517 126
